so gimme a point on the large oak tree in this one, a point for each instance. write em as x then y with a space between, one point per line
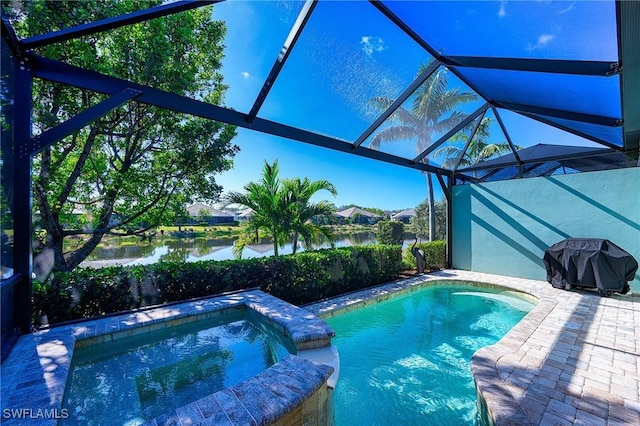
136 167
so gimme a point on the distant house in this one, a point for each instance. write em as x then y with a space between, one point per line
201 213
404 216
78 215
357 215
243 215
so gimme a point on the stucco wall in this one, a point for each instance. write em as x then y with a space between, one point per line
505 227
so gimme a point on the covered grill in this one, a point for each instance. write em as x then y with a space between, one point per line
589 262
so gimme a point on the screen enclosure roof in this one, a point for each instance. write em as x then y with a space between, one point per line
471 91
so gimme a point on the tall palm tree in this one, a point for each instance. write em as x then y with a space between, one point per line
479 148
298 193
432 114
282 209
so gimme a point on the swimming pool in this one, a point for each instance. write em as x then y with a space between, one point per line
405 360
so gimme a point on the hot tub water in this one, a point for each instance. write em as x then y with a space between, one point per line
134 379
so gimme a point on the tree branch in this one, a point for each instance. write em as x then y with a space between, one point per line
49 217
86 203
77 170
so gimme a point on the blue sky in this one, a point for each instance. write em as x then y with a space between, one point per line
349 53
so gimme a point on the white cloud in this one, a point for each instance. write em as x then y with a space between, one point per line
502 12
567 9
245 74
543 40
371 44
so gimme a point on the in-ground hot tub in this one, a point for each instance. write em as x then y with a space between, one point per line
192 382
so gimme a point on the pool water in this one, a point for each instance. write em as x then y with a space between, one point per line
131 380
406 360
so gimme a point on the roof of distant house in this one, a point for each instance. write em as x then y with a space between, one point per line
405 213
245 213
352 211
195 209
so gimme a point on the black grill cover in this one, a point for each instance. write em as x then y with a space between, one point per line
589 262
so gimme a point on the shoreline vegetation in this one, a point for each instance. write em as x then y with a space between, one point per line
225 234
198 231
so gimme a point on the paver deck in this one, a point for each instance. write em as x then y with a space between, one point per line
573 360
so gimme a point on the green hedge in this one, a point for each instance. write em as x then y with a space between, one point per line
301 278
434 254
390 232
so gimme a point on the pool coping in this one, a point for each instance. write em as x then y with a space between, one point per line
573 359
35 373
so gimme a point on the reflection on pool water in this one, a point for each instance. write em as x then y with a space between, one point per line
405 360
138 378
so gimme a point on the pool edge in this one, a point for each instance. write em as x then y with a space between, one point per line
565 362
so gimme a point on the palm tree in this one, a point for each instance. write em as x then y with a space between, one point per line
298 193
432 114
479 148
282 208
265 198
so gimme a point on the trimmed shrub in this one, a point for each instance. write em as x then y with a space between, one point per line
301 278
434 253
390 232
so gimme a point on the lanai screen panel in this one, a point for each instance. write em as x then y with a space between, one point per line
545 160
348 55
582 30
581 94
130 52
526 131
459 148
487 141
434 109
256 31
609 134
6 169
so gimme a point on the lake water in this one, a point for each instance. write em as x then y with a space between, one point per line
197 249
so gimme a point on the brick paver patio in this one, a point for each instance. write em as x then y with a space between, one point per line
574 359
